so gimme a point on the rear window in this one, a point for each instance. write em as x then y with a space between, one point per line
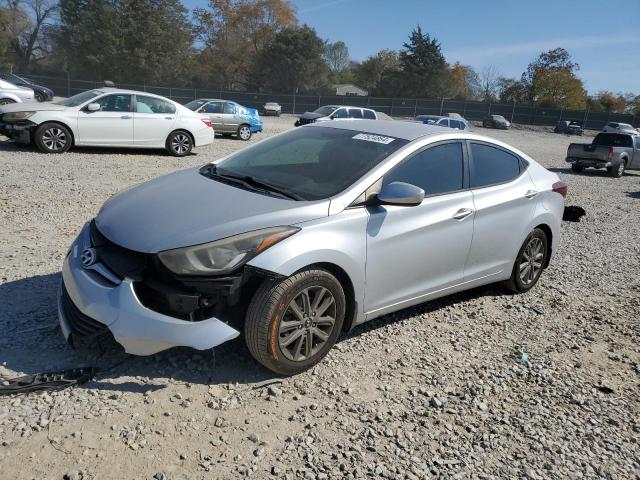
355 113
613 140
369 114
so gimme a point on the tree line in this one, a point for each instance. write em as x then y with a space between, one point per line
259 45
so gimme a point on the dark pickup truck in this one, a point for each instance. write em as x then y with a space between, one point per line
616 152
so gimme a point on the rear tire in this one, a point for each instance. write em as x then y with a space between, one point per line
52 138
292 323
179 143
244 132
577 168
530 262
617 171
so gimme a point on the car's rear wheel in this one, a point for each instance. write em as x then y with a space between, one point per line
292 323
179 143
244 132
53 138
577 168
616 171
6 101
530 262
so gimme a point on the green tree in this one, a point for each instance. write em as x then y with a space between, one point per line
424 70
553 81
126 40
370 73
293 62
513 90
606 101
337 56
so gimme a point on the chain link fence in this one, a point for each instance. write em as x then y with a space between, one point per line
395 107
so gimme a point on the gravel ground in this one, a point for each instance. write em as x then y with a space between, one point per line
435 390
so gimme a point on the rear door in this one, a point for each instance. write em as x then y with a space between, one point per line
635 162
111 125
213 110
504 199
230 117
153 120
417 251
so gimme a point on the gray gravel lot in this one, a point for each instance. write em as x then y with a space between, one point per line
435 390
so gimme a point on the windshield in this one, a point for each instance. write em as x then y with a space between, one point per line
195 104
311 163
325 110
612 140
271 104
10 77
78 99
499 117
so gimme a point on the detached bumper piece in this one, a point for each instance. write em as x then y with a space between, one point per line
46 381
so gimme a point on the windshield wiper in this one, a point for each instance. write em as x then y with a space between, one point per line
212 171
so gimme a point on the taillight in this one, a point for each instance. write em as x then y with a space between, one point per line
560 187
207 122
610 153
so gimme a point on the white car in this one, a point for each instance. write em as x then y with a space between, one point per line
10 93
615 127
107 117
272 108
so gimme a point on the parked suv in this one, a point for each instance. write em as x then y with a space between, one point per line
496 121
335 112
615 127
327 227
457 123
569 127
228 118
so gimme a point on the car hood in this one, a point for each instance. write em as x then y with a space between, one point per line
31 107
311 116
186 208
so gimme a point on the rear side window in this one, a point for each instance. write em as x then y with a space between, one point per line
444 122
436 170
369 114
229 108
456 124
492 165
153 105
613 125
355 113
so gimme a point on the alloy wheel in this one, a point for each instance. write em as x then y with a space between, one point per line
245 133
180 143
531 263
307 323
54 139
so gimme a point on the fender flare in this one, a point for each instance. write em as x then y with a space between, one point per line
10 96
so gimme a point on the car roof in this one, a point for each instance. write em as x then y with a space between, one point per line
392 128
216 100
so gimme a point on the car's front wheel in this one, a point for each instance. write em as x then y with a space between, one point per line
577 168
6 101
52 138
292 323
40 97
179 144
244 132
530 262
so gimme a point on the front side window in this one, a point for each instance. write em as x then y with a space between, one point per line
341 113
355 113
436 170
443 122
492 165
115 103
79 99
369 114
229 108
146 104
326 110
312 163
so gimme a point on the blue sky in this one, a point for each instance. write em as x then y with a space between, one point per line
603 37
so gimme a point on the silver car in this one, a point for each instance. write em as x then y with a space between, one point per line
10 93
307 234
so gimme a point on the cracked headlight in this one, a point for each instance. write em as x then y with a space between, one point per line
225 255
16 116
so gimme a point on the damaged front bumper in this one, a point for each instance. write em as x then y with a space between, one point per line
91 298
19 132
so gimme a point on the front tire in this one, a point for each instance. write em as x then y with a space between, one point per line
40 97
6 101
292 323
244 132
530 262
52 138
179 143
577 168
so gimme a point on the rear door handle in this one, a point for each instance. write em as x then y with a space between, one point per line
463 213
168 118
531 193
125 117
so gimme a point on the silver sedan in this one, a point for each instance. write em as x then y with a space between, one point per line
304 235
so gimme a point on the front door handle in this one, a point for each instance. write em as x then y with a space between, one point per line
168 118
125 117
463 213
531 193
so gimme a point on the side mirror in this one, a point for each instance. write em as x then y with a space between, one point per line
401 194
93 107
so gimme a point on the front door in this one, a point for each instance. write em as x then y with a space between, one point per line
153 120
111 125
413 252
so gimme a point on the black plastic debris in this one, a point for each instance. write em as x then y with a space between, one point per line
604 389
573 213
46 381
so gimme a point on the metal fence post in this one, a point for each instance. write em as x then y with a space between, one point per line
586 118
68 84
294 104
489 108
561 110
441 105
464 109
319 101
415 108
513 111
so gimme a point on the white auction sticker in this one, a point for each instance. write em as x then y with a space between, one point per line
368 137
